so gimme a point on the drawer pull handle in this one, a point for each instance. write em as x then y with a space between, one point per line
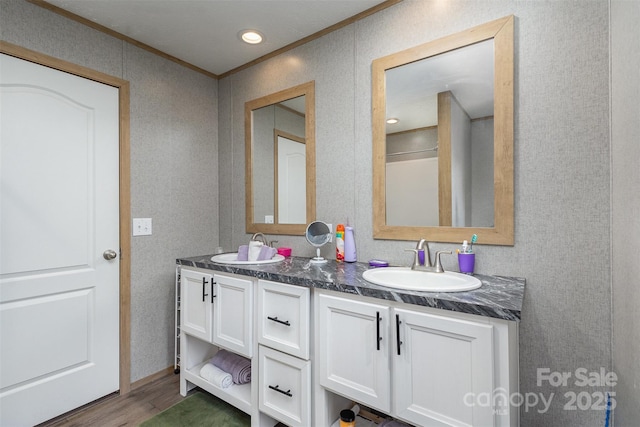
286 393
283 322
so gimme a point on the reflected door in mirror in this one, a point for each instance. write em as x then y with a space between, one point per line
291 194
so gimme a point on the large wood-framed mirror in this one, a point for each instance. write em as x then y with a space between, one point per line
280 186
444 170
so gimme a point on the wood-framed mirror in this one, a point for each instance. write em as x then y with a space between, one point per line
280 167
444 170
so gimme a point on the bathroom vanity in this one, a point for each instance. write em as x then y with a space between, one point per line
320 338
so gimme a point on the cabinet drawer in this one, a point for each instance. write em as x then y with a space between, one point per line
283 313
285 387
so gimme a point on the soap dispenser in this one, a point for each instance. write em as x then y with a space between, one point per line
349 245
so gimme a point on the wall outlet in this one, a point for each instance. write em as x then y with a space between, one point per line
141 226
268 219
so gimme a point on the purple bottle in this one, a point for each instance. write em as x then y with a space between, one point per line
349 245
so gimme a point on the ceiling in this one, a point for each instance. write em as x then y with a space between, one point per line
412 89
204 33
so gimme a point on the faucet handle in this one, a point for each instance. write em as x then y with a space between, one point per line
438 265
416 260
273 242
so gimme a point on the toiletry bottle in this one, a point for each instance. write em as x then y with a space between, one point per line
340 242
349 245
347 418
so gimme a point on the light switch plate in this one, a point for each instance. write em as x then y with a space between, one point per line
142 226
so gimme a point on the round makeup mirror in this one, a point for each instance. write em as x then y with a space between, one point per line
318 235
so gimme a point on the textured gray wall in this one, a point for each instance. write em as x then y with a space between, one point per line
562 169
625 156
174 144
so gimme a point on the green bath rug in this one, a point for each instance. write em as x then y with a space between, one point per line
200 409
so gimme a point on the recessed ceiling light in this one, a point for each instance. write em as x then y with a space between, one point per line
251 36
392 121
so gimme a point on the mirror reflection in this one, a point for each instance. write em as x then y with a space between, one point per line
280 150
455 90
279 163
443 138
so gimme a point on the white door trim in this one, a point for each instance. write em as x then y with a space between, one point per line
124 189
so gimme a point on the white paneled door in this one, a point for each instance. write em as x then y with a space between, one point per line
59 242
292 178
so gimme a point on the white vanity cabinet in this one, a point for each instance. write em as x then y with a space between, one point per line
315 351
425 366
285 369
216 312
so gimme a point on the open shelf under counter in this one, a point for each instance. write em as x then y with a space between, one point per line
238 395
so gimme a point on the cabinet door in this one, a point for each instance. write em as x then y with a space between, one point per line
233 317
443 366
195 303
353 350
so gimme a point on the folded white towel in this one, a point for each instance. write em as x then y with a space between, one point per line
216 376
254 250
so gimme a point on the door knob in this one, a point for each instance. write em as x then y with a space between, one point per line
109 254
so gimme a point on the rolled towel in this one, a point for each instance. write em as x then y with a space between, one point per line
238 366
216 376
266 252
243 253
254 250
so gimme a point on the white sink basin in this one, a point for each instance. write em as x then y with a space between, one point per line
413 280
232 258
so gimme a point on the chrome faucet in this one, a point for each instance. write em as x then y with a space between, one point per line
423 245
436 267
259 237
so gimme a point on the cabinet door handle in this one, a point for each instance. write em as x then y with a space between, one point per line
378 337
398 342
212 295
204 295
283 322
286 393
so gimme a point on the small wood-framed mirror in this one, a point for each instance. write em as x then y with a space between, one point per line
463 171
280 167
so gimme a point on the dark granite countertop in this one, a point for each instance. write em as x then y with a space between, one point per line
499 297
